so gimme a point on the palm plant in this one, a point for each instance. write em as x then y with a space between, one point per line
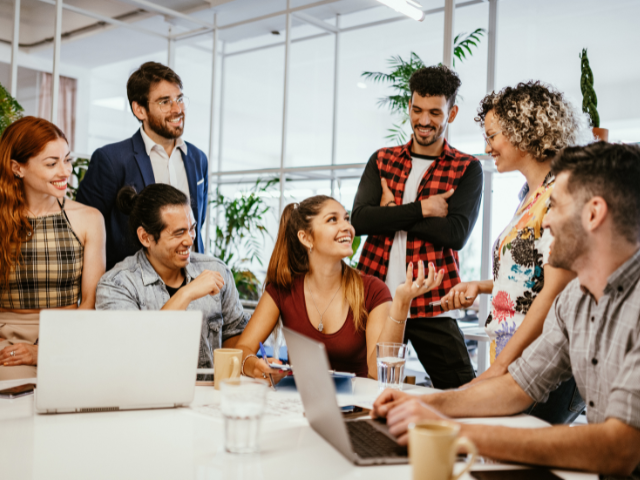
401 71
10 109
239 239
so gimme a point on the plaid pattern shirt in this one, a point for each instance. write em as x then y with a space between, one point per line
444 174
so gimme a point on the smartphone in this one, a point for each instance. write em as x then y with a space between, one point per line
526 474
19 391
283 368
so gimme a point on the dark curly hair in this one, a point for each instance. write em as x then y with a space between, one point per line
435 81
141 81
534 117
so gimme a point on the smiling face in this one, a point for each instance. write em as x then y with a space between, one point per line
171 251
48 172
332 233
565 222
170 124
429 118
505 155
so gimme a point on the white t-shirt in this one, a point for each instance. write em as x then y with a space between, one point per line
397 272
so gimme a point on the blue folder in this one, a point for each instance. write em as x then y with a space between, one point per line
343 382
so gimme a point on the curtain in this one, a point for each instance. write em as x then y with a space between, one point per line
66 104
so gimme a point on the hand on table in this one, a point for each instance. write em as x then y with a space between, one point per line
412 289
260 367
401 410
387 195
23 354
458 295
436 205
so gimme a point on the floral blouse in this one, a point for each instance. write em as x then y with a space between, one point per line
519 254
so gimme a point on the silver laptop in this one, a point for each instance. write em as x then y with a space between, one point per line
363 441
90 361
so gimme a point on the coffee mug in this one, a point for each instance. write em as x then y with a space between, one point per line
433 447
226 364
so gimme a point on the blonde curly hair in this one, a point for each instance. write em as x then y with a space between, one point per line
535 118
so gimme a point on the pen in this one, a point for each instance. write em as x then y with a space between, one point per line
264 357
433 304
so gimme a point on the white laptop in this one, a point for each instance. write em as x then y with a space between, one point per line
363 441
91 361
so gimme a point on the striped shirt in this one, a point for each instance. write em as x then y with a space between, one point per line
49 273
596 342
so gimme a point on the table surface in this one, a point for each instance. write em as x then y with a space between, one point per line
183 443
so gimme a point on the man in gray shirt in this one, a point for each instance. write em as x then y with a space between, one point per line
165 275
591 332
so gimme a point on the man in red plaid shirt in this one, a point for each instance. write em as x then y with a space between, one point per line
418 203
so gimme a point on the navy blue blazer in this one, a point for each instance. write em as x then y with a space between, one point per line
127 163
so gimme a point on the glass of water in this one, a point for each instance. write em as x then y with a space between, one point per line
242 404
391 360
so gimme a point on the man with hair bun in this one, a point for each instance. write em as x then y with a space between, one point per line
155 154
419 202
164 274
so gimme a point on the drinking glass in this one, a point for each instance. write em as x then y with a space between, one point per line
391 360
242 404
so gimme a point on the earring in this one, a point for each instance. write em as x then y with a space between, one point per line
16 175
310 250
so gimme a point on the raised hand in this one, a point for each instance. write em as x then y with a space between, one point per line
436 205
412 289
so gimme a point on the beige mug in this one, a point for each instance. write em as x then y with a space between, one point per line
433 447
226 364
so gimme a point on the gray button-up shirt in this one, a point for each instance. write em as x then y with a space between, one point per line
597 343
133 284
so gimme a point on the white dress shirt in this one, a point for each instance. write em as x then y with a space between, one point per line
169 170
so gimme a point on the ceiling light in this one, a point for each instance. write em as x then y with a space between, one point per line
409 8
361 85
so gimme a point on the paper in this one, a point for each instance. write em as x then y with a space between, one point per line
278 406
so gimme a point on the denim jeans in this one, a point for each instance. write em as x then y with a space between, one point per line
563 406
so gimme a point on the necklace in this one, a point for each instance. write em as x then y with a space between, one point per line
321 326
36 225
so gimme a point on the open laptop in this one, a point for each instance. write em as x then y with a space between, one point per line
92 361
363 441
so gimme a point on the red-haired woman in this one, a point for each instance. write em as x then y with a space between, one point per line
320 296
52 249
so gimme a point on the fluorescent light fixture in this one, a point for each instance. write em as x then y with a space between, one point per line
409 8
361 85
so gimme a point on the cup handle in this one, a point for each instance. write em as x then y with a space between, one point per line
471 448
235 368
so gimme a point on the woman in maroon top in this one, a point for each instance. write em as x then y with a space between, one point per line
317 294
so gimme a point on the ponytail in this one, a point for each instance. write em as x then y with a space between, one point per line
290 258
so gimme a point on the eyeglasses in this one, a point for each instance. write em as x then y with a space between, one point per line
488 139
167 104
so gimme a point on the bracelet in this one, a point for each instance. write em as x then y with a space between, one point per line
243 361
398 321
389 203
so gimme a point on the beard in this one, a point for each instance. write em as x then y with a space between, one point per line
431 139
569 244
159 126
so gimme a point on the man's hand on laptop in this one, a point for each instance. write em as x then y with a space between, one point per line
401 410
23 354
207 283
436 205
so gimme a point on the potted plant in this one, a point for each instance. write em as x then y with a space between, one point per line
589 98
10 109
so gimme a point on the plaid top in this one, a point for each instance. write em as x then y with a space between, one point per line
442 175
597 343
50 272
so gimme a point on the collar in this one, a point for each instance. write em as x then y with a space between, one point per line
150 144
624 275
447 151
149 274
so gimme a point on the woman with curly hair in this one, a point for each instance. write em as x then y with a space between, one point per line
52 249
525 127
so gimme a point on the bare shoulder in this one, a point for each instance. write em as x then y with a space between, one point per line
85 220
85 212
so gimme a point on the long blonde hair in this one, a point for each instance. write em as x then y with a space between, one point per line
290 257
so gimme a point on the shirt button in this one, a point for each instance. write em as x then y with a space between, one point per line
594 361
591 404
620 288
593 319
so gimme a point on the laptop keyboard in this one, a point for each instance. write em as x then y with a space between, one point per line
368 442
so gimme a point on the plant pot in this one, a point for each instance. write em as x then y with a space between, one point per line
601 134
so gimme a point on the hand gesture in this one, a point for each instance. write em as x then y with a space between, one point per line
207 283
461 296
261 371
436 205
412 289
387 195
23 354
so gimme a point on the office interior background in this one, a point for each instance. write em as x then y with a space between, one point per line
283 94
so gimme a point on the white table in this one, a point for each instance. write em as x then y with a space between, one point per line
183 444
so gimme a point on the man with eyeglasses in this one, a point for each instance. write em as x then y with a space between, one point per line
155 154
